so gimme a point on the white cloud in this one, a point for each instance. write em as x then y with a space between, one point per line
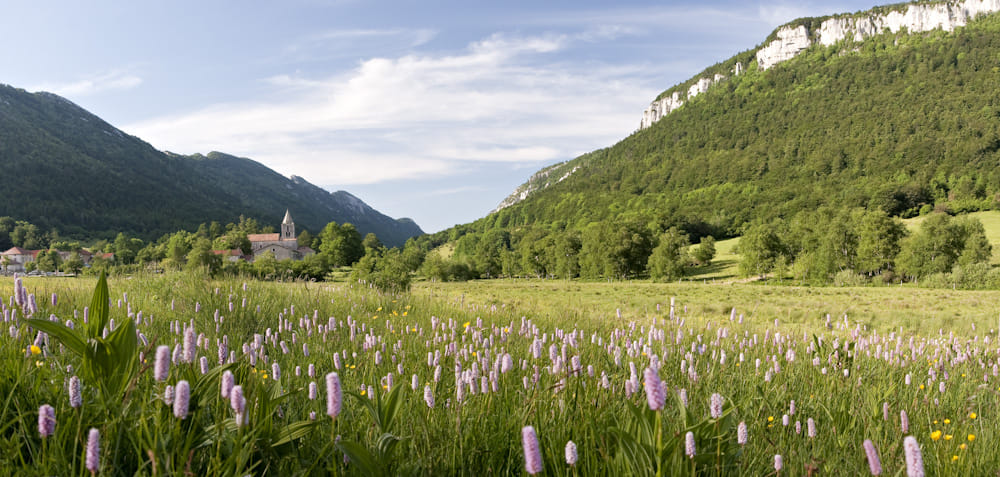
504 99
96 83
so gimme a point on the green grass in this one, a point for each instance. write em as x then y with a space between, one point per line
473 324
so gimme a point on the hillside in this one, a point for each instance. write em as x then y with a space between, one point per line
67 169
894 119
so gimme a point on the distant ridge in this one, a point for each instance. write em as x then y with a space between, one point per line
67 169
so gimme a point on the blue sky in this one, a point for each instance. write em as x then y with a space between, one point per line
423 109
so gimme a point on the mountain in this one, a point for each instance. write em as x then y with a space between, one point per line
67 169
896 108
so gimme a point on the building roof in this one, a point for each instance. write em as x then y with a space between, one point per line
16 251
232 253
288 218
263 237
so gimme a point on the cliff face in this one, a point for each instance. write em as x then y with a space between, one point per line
553 174
792 39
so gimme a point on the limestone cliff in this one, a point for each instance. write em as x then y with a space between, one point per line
550 175
791 39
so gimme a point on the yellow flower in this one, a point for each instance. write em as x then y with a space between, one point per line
362 392
954 458
467 323
405 313
947 421
39 364
921 386
936 435
770 418
352 366
737 364
935 421
263 375
947 437
963 375
379 309
36 350
972 415
962 447
970 437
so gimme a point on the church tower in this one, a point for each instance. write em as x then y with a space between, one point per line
287 227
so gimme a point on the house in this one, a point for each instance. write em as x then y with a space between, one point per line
284 245
233 255
15 258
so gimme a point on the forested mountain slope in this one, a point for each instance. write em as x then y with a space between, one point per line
65 168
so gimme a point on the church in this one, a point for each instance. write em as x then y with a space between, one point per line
284 245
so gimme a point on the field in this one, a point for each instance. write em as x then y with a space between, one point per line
444 381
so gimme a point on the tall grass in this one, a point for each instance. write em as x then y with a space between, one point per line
841 375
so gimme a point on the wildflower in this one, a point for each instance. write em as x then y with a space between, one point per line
571 453
532 453
741 434
429 396
182 399
190 345
35 350
972 415
874 464
904 422
46 420
914 461
778 463
334 395
275 371
947 421
228 381
715 406
236 400
75 398
971 437
168 395
936 435
93 461
655 395
312 390
811 427
161 367
948 437
689 449
954 458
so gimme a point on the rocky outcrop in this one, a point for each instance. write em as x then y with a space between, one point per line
914 18
536 182
792 39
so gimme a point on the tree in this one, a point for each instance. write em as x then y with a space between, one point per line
178 247
705 251
566 254
340 245
668 259
48 260
126 249
879 238
201 257
371 242
935 247
413 254
759 247
26 235
384 270
73 264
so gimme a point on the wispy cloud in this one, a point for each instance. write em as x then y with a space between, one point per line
504 98
96 83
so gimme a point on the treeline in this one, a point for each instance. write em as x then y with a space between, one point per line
855 246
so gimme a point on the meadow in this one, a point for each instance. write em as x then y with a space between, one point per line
643 379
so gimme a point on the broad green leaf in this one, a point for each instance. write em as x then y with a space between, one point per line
62 333
360 458
294 431
99 308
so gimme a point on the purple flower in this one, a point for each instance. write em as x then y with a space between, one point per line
904 422
811 427
161 367
571 453
778 462
228 381
236 399
203 362
689 449
276 371
168 395
182 399
334 395
190 345
874 464
93 451
46 420
715 406
429 396
312 390
75 398
914 460
741 434
532 452
655 395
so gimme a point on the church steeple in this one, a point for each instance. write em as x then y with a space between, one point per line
287 227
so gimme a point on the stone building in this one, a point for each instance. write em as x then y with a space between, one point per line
283 245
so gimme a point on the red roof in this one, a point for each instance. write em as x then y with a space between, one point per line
17 251
263 237
232 253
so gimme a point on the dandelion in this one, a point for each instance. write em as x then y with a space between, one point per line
532 453
182 399
93 461
655 395
571 453
334 395
75 398
46 420
741 434
689 449
874 464
715 406
914 461
161 368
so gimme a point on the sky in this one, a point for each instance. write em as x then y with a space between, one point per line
430 110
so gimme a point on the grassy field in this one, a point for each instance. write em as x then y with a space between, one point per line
446 380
